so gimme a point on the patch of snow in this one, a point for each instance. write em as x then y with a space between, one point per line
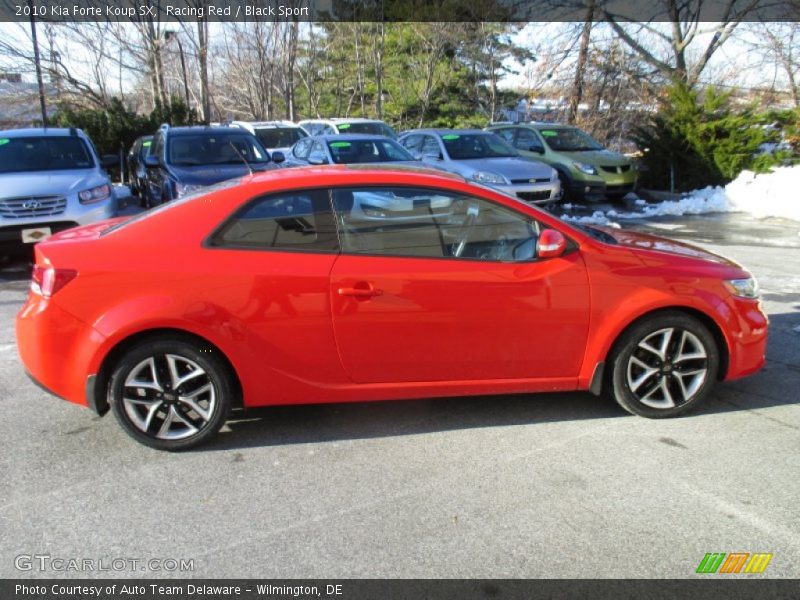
598 217
567 206
640 202
797 329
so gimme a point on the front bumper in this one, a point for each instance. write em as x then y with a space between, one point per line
600 186
747 338
56 348
72 216
533 193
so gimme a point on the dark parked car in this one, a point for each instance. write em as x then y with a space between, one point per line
183 160
137 170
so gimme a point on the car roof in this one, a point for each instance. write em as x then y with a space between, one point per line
41 132
350 174
343 137
266 124
337 120
444 131
210 129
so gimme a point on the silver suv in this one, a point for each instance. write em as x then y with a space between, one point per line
50 180
348 125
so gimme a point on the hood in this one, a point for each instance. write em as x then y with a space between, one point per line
49 183
654 243
510 167
211 174
605 158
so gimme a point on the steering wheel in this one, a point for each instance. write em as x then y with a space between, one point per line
469 223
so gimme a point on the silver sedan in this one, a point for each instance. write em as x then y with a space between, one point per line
484 157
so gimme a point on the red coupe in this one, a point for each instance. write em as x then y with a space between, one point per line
338 284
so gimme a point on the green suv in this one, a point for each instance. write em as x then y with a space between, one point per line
587 170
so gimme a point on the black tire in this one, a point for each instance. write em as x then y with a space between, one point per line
675 378
183 416
566 193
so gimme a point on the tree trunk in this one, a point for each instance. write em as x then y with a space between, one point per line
202 41
583 53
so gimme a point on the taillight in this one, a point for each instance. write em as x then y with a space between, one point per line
47 280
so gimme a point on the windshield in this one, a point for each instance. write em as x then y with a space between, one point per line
569 139
476 145
280 137
43 153
367 151
214 149
368 128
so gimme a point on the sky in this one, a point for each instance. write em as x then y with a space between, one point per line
734 60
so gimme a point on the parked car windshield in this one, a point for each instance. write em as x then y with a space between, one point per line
214 149
466 146
569 139
367 151
43 153
279 137
368 128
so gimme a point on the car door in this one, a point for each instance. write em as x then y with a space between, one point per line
427 288
274 256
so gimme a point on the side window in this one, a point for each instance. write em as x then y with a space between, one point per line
302 148
412 143
413 222
430 147
507 134
527 140
290 221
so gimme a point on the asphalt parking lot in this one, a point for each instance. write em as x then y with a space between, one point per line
552 485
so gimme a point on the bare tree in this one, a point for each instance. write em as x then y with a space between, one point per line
682 29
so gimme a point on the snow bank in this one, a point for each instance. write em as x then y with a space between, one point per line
598 217
772 194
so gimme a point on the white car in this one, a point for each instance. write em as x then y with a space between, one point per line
354 125
274 135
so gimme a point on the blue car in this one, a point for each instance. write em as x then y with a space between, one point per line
183 160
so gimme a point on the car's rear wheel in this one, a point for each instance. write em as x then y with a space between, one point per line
171 394
664 365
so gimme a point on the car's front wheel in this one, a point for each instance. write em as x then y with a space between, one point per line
171 394
664 365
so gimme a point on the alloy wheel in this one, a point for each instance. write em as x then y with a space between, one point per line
169 397
667 368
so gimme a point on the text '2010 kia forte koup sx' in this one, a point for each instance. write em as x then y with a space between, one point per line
336 284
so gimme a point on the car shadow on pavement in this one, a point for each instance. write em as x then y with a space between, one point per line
282 425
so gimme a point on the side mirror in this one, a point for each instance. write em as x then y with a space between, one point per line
278 157
537 149
551 244
317 158
109 161
151 161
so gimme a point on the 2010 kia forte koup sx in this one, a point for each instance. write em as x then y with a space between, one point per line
334 284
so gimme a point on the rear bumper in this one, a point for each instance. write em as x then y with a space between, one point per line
747 343
56 348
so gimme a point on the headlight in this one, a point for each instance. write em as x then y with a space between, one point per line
487 177
96 194
744 288
184 189
584 168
